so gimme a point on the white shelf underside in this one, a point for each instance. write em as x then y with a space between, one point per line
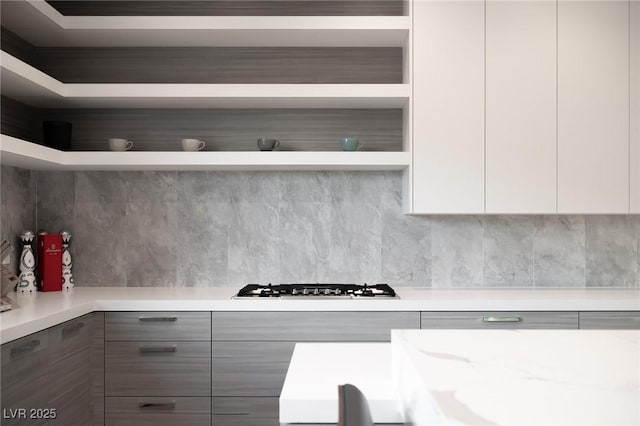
23 154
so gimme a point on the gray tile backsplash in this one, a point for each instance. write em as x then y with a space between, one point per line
56 199
198 229
17 207
611 251
559 251
406 241
508 251
456 251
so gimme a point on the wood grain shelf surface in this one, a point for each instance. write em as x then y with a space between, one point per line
20 153
31 86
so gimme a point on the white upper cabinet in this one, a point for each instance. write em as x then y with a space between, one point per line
634 113
520 106
526 107
448 107
593 106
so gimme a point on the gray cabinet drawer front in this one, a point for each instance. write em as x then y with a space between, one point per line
72 407
31 395
70 374
24 360
610 320
250 368
97 370
136 326
158 369
69 337
239 411
149 411
311 326
500 320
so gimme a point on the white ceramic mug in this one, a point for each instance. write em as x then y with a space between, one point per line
192 145
120 144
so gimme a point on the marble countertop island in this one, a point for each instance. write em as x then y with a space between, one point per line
517 377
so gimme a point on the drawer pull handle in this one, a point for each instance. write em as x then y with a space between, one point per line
27 347
158 405
158 319
71 329
157 349
501 319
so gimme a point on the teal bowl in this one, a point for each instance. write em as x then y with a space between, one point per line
349 144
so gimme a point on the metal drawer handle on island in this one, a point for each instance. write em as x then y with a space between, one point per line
158 319
157 405
71 329
27 347
158 349
501 319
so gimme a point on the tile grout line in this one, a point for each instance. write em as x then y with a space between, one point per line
584 270
533 257
482 241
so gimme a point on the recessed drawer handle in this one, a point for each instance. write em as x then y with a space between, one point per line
158 405
157 349
158 319
27 347
501 319
71 329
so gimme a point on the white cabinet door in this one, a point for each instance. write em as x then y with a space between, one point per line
520 106
634 113
448 106
593 106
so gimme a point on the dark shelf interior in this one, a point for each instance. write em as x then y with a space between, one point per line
221 129
230 8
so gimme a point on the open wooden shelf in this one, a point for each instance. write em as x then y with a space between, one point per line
27 155
42 25
31 86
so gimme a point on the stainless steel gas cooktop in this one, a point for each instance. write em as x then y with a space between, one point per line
317 290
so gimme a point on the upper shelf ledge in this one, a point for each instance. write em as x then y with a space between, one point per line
31 86
39 23
27 155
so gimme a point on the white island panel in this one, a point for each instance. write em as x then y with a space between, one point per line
310 391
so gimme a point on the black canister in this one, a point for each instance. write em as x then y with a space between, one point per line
57 134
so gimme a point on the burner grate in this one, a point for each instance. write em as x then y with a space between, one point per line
317 290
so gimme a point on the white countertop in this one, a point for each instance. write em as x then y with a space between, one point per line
518 377
42 310
310 390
